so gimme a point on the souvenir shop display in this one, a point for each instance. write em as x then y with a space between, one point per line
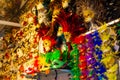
57 36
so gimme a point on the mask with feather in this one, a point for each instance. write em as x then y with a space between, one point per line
91 11
70 25
56 6
40 12
65 3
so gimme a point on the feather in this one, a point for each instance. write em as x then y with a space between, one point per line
63 20
50 41
70 24
42 30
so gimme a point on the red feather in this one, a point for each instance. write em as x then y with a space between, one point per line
43 30
62 20
70 23
79 39
52 40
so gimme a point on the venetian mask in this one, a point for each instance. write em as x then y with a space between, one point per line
29 17
65 3
88 15
7 37
47 44
67 36
19 52
55 13
41 13
60 31
45 65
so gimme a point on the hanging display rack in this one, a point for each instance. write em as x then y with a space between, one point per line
107 24
9 23
18 25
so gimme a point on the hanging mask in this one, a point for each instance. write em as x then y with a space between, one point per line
43 64
83 66
82 49
105 48
99 68
65 3
91 61
56 64
108 61
60 31
67 36
89 57
88 15
103 28
111 76
113 69
19 52
96 38
79 40
46 45
105 37
82 58
98 51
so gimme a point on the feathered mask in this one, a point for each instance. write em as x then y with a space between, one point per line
90 10
48 43
70 24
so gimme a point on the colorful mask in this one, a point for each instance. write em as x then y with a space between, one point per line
60 31
67 36
48 43
65 3
88 15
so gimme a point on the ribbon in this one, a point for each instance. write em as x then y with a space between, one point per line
51 56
